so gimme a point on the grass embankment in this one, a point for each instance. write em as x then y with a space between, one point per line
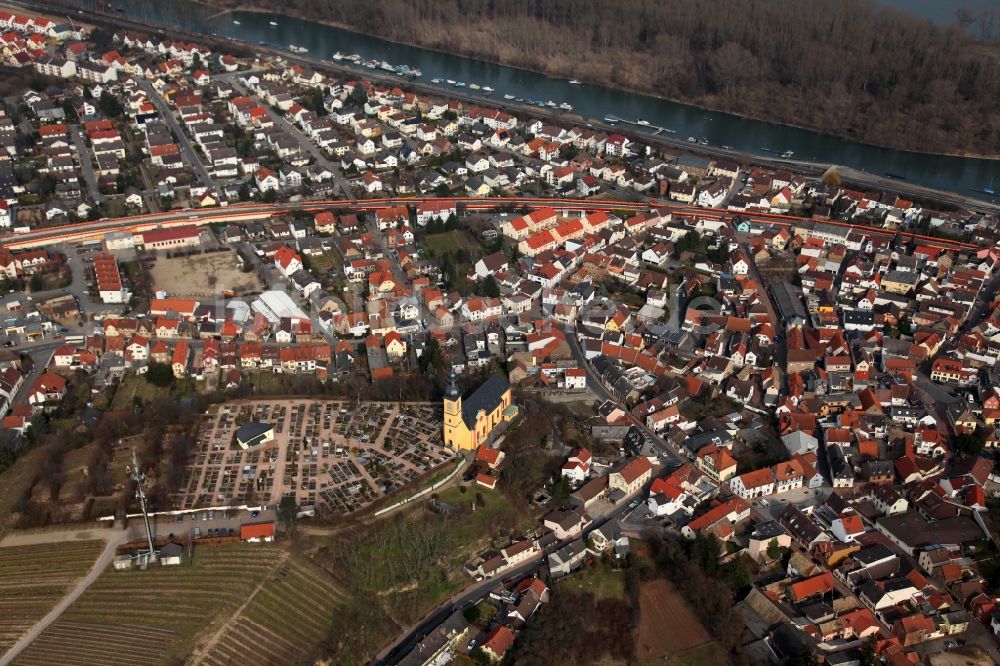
400 568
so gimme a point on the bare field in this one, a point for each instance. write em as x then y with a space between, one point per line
666 624
969 655
202 275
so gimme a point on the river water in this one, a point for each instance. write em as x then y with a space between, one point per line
959 174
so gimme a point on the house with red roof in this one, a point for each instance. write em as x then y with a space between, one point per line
48 388
171 238
915 629
632 476
716 462
266 180
287 260
490 456
815 586
751 485
847 527
719 519
257 532
486 480
179 360
498 642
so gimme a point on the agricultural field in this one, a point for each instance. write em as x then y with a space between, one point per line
34 578
667 627
287 616
126 617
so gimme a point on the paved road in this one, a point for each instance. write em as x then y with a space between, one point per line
402 645
594 384
86 164
777 324
306 144
188 153
115 538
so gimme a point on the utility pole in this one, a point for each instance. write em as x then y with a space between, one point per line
140 493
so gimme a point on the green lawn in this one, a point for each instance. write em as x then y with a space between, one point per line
450 241
602 581
471 525
265 382
410 562
134 386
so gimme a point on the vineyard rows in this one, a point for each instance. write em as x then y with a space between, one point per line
288 617
131 617
34 578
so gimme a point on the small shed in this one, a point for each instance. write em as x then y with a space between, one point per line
170 554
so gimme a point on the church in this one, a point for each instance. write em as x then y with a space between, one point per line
470 422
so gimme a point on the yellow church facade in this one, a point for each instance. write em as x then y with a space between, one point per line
470 422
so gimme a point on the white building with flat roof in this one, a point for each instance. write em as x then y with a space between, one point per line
118 240
277 304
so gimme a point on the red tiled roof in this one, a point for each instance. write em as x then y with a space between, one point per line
172 233
809 587
256 530
635 469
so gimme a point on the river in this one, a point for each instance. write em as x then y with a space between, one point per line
965 176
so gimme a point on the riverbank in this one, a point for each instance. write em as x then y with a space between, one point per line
607 79
862 175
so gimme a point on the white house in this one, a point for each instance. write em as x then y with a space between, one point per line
577 466
758 483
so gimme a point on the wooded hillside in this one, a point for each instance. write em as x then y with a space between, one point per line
845 67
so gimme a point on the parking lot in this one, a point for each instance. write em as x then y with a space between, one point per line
208 523
335 456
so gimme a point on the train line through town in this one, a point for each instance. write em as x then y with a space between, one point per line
243 213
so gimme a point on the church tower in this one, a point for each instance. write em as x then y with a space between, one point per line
453 424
